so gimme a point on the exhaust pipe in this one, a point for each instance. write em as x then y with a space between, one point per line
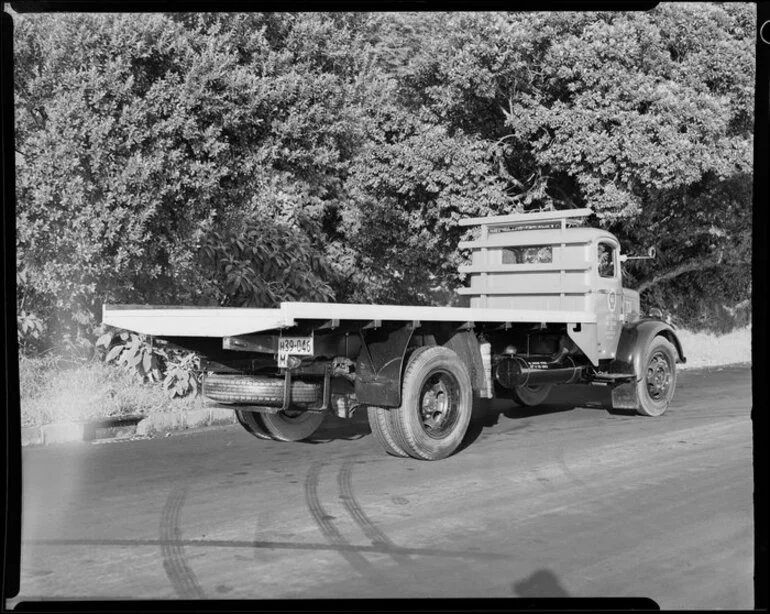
515 371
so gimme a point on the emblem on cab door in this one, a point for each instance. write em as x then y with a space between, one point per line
611 300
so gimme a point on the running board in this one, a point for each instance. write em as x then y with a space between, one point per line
607 379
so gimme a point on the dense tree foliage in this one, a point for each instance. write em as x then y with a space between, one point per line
644 117
245 159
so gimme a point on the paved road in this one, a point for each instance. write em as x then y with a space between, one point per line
557 501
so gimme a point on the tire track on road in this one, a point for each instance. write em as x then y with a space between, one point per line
175 564
323 519
370 529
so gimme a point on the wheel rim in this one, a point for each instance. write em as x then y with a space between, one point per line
658 376
439 404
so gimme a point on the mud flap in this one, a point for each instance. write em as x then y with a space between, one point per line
379 366
625 396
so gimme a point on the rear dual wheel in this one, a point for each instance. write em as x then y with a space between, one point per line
288 425
436 407
250 421
292 424
531 396
381 423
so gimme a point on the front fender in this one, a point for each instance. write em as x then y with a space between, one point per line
634 339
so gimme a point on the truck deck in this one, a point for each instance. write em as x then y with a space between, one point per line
175 321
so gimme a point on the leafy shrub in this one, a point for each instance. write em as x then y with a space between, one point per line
134 353
262 264
182 374
152 361
29 330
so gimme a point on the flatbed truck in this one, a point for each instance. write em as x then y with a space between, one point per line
546 307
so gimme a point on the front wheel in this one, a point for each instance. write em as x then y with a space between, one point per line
658 378
436 404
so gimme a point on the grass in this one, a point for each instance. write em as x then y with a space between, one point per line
51 391
54 391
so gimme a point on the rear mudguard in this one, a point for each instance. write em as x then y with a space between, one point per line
383 358
633 343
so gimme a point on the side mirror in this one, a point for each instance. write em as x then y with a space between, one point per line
651 253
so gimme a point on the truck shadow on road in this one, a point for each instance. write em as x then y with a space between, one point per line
487 412
334 428
542 583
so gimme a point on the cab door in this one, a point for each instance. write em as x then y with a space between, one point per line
608 296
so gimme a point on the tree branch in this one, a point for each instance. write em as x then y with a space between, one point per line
687 267
506 174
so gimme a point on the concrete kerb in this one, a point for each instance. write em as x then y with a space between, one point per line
124 427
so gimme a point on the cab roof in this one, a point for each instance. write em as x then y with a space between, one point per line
549 227
539 236
580 234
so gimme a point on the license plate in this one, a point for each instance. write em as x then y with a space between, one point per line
293 346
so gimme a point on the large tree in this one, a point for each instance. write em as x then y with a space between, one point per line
644 117
143 138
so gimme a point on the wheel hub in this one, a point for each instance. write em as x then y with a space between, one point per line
294 415
438 405
658 376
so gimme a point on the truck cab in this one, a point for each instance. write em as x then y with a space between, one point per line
553 263
550 262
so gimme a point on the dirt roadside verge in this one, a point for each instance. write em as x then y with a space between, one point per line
163 424
125 427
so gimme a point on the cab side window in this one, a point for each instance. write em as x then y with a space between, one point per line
511 256
606 260
535 254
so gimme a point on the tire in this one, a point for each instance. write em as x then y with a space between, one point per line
292 425
531 396
436 404
658 378
381 423
258 390
252 424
